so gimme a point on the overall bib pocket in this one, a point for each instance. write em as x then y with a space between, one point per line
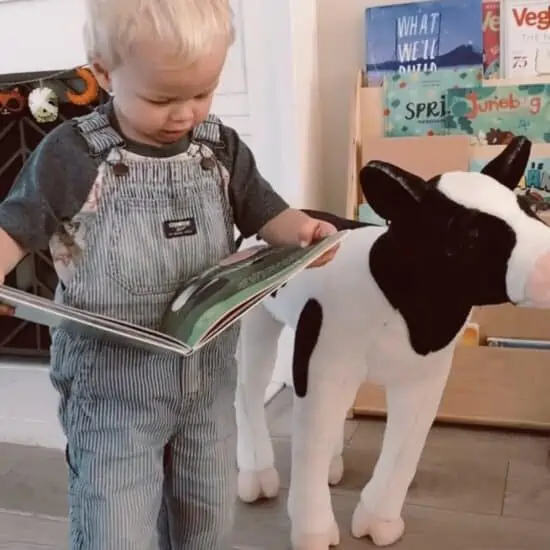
155 245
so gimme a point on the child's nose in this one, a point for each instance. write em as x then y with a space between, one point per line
182 113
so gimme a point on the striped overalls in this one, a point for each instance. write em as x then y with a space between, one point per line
151 437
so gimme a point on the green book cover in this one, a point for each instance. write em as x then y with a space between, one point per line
493 115
415 102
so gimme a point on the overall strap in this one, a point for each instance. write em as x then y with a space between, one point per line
209 131
101 137
98 133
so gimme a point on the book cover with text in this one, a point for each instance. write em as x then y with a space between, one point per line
493 115
525 38
491 39
422 36
415 103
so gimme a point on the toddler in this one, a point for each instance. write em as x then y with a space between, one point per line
150 437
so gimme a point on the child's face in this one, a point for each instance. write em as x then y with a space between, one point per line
157 99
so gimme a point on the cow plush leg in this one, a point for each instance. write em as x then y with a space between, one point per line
412 406
257 353
318 421
325 385
336 468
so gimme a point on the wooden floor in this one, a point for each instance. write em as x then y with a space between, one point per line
475 490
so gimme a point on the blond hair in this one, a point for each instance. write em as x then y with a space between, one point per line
191 27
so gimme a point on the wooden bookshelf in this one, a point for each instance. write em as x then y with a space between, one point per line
488 386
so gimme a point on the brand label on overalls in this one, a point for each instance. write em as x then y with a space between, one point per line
179 228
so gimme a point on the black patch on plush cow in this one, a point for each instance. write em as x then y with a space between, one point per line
274 293
305 340
465 258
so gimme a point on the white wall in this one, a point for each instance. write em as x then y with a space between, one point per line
340 56
41 35
297 93
341 47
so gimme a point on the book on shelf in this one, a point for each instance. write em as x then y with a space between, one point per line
205 306
525 38
415 103
491 39
518 343
535 182
492 115
422 36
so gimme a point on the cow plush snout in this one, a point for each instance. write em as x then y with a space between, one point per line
537 288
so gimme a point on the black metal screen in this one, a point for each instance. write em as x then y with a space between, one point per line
20 133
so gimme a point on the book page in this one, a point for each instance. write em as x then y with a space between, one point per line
211 297
46 312
208 304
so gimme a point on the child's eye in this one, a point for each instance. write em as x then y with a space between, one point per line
204 95
158 101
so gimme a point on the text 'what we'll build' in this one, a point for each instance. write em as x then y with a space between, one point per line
417 41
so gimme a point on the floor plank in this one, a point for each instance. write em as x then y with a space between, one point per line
30 532
266 527
528 490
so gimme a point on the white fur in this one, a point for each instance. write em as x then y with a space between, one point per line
362 338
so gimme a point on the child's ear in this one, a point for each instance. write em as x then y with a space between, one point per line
392 192
102 74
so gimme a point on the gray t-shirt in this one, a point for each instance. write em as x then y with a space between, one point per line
57 179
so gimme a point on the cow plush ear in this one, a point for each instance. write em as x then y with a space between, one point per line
392 192
508 167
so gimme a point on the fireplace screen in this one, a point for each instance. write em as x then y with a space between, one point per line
20 132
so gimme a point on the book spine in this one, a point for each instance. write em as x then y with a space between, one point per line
491 39
518 343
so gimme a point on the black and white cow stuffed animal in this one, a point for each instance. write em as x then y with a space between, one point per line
389 308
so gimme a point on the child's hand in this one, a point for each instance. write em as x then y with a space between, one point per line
314 230
5 310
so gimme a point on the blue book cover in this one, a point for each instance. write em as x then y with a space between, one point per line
422 36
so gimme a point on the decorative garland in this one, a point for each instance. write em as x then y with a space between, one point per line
46 93
91 91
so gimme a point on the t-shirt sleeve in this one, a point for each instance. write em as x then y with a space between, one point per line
51 187
253 199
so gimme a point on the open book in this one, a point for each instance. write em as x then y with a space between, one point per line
205 306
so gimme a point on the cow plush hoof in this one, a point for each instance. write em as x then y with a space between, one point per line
336 470
253 486
382 532
318 541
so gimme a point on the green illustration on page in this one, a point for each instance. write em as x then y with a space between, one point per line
415 102
493 115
